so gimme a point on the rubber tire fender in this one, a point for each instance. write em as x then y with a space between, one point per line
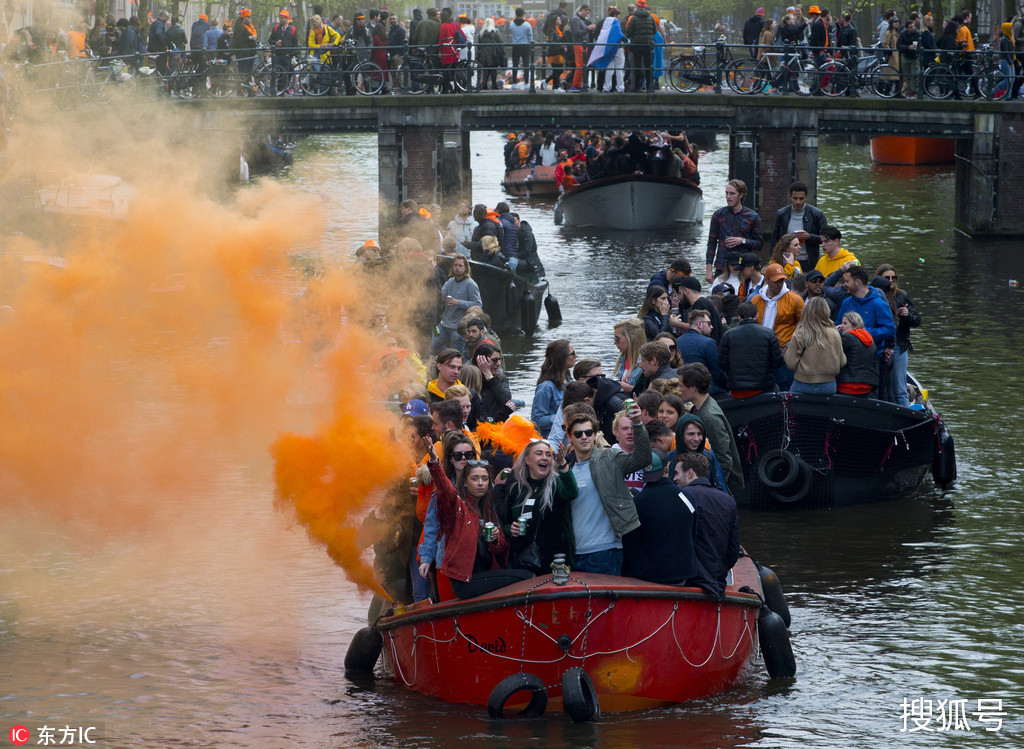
553 309
579 696
363 651
803 483
767 464
944 460
521 682
511 300
774 598
775 645
528 312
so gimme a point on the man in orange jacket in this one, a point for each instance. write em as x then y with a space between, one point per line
780 309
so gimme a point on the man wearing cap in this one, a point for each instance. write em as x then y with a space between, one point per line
734 228
804 220
415 407
818 34
197 34
640 28
752 30
283 40
661 550
780 309
716 542
679 268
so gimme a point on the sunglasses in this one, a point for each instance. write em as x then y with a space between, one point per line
463 456
577 433
892 277
475 463
495 360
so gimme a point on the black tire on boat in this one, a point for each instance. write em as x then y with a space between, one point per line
363 651
521 682
511 300
579 696
553 309
777 468
774 598
799 488
528 311
775 646
944 462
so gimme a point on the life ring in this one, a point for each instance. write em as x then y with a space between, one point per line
579 696
774 598
528 311
777 468
799 488
511 300
775 646
363 651
521 682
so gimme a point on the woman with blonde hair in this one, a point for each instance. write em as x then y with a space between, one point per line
815 352
629 337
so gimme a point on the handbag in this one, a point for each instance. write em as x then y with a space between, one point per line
528 558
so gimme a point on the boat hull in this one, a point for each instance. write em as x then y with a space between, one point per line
912 151
632 203
857 450
531 181
642 645
512 301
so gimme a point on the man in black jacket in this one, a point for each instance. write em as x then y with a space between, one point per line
908 44
804 220
717 540
640 28
749 354
752 30
487 225
661 550
529 259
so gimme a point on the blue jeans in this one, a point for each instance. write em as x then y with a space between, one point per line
447 338
900 360
815 388
600 562
783 377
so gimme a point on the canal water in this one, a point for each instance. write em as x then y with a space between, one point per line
231 628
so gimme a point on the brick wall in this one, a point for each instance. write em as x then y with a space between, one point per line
420 172
774 173
1010 199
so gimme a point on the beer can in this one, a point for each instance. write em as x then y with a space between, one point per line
523 520
489 532
506 472
413 483
629 403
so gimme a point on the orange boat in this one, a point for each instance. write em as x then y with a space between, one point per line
595 642
912 151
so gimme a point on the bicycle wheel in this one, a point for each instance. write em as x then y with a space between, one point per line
465 77
886 81
315 79
834 78
411 76
263 77
682 75
368 78
939 82
222 81
807 79
995 86
741 76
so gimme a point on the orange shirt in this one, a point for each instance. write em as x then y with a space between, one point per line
964 35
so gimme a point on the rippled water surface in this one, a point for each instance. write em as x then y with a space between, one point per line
233 634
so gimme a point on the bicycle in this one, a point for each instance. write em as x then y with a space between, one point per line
786 70
949 78
417 74
319 76
689 73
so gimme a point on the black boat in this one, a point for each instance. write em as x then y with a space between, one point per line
513 301
803 451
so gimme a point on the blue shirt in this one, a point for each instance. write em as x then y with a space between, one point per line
546 400
590 524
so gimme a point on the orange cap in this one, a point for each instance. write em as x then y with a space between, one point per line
284 14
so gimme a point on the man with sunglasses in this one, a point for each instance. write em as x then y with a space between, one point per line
603 511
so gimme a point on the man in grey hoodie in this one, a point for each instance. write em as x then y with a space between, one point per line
522 38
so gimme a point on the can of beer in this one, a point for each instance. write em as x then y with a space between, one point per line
489 532
413 483
629 403
523 520
505 473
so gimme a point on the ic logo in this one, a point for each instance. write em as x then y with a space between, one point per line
19 735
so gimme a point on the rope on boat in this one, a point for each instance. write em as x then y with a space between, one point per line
398 665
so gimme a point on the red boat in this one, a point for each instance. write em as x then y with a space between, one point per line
531 181
594 642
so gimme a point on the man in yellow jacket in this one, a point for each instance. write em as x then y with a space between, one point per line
835 255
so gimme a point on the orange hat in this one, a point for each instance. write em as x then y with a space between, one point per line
203 17
512 436
774 271
284 14
371 243
641 3
814 10
244 13
424 213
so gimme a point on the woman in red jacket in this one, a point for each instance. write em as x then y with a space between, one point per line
474 563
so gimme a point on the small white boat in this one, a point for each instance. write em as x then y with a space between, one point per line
632 202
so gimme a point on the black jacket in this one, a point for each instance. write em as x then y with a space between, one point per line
197 36
662 550
494 398
814 222
640 28
905 39
904 324
752 29
861 362
485 228
529 259
717 542
749 354
608 401
654 324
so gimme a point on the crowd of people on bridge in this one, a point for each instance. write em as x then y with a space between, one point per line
495 495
